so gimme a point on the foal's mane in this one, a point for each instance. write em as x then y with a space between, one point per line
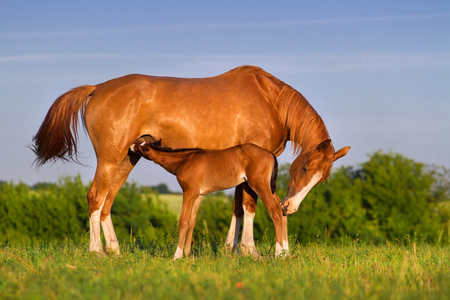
306 128
157 146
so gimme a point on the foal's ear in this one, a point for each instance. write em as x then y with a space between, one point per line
341 152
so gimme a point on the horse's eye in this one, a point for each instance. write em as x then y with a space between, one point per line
304 169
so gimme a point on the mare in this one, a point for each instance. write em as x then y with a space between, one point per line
200 172
244 105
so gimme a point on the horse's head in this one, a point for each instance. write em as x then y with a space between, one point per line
307 170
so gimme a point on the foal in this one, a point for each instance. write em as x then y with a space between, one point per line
200 172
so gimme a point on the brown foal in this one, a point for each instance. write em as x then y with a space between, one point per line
200 172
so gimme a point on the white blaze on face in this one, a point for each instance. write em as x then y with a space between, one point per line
298 198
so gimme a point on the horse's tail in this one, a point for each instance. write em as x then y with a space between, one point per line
58 135
273 179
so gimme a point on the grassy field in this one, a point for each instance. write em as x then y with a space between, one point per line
174 202
65 270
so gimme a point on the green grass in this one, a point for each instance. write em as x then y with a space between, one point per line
65 270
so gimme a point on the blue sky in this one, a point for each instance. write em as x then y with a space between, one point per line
378 72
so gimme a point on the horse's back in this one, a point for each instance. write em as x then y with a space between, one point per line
212 113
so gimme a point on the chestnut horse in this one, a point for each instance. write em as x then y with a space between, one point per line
244 105
200 172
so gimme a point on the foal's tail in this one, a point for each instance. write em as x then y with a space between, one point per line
58 135
273 179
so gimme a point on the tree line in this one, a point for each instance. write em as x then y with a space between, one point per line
389 197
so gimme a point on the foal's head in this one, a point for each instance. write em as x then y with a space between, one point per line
307 170
142 146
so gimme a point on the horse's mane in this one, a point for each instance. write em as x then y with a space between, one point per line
306 127
249 69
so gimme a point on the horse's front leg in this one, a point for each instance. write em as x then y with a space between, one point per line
235 226
249 206
189 198
285 236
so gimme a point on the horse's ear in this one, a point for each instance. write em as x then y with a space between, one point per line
323 145
341 152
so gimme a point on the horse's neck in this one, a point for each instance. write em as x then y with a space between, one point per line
168 160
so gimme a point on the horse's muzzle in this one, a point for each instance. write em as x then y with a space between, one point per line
284 207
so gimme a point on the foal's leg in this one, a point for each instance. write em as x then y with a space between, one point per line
235 226
249 206
96 199
192 221
285 245
273 206
189 198
121 175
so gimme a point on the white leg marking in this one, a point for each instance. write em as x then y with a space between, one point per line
94 223
247 240
278 250
178 253
112 245
233 233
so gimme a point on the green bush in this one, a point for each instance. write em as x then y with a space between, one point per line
141 214
49 211
389 197
45 212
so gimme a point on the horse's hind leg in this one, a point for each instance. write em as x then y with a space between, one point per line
120 176
96 199
236 220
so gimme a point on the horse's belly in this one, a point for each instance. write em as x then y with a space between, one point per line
211 128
